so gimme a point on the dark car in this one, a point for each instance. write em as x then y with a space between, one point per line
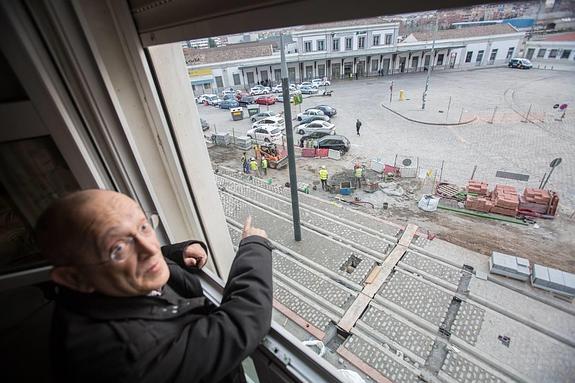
520 63
339 143
246 100
327 110
229 103
314 135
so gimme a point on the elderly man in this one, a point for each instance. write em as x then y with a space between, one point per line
130 310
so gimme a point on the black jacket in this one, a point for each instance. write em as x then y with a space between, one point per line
176 337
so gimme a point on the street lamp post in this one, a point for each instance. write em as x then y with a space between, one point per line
432 62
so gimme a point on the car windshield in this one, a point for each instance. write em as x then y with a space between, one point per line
275 131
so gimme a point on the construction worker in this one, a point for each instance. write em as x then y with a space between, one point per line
265 165
323 178
358 173
254 166
245 167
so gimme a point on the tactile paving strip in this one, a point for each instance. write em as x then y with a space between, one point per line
439 270
420 298
467 324
318 203
340 230
401 333
315 247
301 308
379 360
464 371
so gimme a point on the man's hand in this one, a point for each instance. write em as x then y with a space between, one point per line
195 256
250 230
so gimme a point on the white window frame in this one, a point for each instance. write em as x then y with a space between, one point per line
307 46
376 40
322 47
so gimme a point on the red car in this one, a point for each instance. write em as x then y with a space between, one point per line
266 100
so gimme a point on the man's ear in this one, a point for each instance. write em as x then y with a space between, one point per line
71 277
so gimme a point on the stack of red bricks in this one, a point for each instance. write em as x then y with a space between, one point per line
536 200
505 200
479 203
477 187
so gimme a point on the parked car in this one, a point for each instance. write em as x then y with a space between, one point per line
319 133
203 98
246 99
277 89
308 119
307 89
275 121
340 143
311 112
265 133
259 116
520 63
314 125
266 100
306 83
228 92
213 100
205 125
320 82
259 89
327 110
229 103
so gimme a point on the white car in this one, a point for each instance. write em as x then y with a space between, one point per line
212 100
265 133
258 89
320 82
315 125
307 83
311 112
273 121
277 89
201 99
259 116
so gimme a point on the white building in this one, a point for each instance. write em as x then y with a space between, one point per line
355 49
553 48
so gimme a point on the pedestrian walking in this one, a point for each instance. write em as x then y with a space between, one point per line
323 175
245 167
358 173
356 75
254 167
264 166
357 126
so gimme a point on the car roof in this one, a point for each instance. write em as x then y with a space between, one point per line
314 109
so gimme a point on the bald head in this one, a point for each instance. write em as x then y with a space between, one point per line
65 230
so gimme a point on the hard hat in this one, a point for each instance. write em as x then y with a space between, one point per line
323 166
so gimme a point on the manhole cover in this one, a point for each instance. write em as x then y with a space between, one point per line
406 162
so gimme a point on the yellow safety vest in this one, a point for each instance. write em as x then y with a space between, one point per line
358 172
264 163
253 165
323 174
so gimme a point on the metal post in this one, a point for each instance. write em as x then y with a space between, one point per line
527 115
390 92
542 179
448 107
461 115
290 148
493 117
432 62
441 171
473 173
547 179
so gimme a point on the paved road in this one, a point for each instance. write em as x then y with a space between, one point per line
507 144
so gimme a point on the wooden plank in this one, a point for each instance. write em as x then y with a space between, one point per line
366 368
389 263
354 312
371 277
299 320
408 234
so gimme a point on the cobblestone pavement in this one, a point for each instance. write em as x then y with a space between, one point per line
447 273
468 322
463 370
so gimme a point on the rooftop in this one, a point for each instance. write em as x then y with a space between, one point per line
569 36
484 30
348 23
228 53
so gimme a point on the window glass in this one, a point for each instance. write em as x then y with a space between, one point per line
468 56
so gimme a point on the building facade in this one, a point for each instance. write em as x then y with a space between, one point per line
356 51
554 48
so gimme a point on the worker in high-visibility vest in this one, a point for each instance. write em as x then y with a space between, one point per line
358 173
265 165
245 167
323 177
254 167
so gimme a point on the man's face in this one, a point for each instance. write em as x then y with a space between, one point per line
122 238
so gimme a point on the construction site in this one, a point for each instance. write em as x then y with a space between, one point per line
414 277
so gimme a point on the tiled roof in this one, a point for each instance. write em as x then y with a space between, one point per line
570 36
348 23
227 53
484 30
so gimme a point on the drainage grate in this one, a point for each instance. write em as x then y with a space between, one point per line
350 264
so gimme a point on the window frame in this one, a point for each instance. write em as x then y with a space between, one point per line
307 46
376 40
335 42
469 56
322 48
349 47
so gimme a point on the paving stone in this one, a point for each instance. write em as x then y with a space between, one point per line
317 203
422 299
464 371
338 229
302 308
420 241
378 359
315 247
396 330
467 324
435 268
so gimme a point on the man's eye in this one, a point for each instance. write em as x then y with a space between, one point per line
117 251
146 228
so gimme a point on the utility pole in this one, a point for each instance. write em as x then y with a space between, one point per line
432 62
290 148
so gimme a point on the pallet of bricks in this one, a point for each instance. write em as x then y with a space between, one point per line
539 201
503 200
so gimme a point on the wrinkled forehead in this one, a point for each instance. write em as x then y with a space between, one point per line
113 213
